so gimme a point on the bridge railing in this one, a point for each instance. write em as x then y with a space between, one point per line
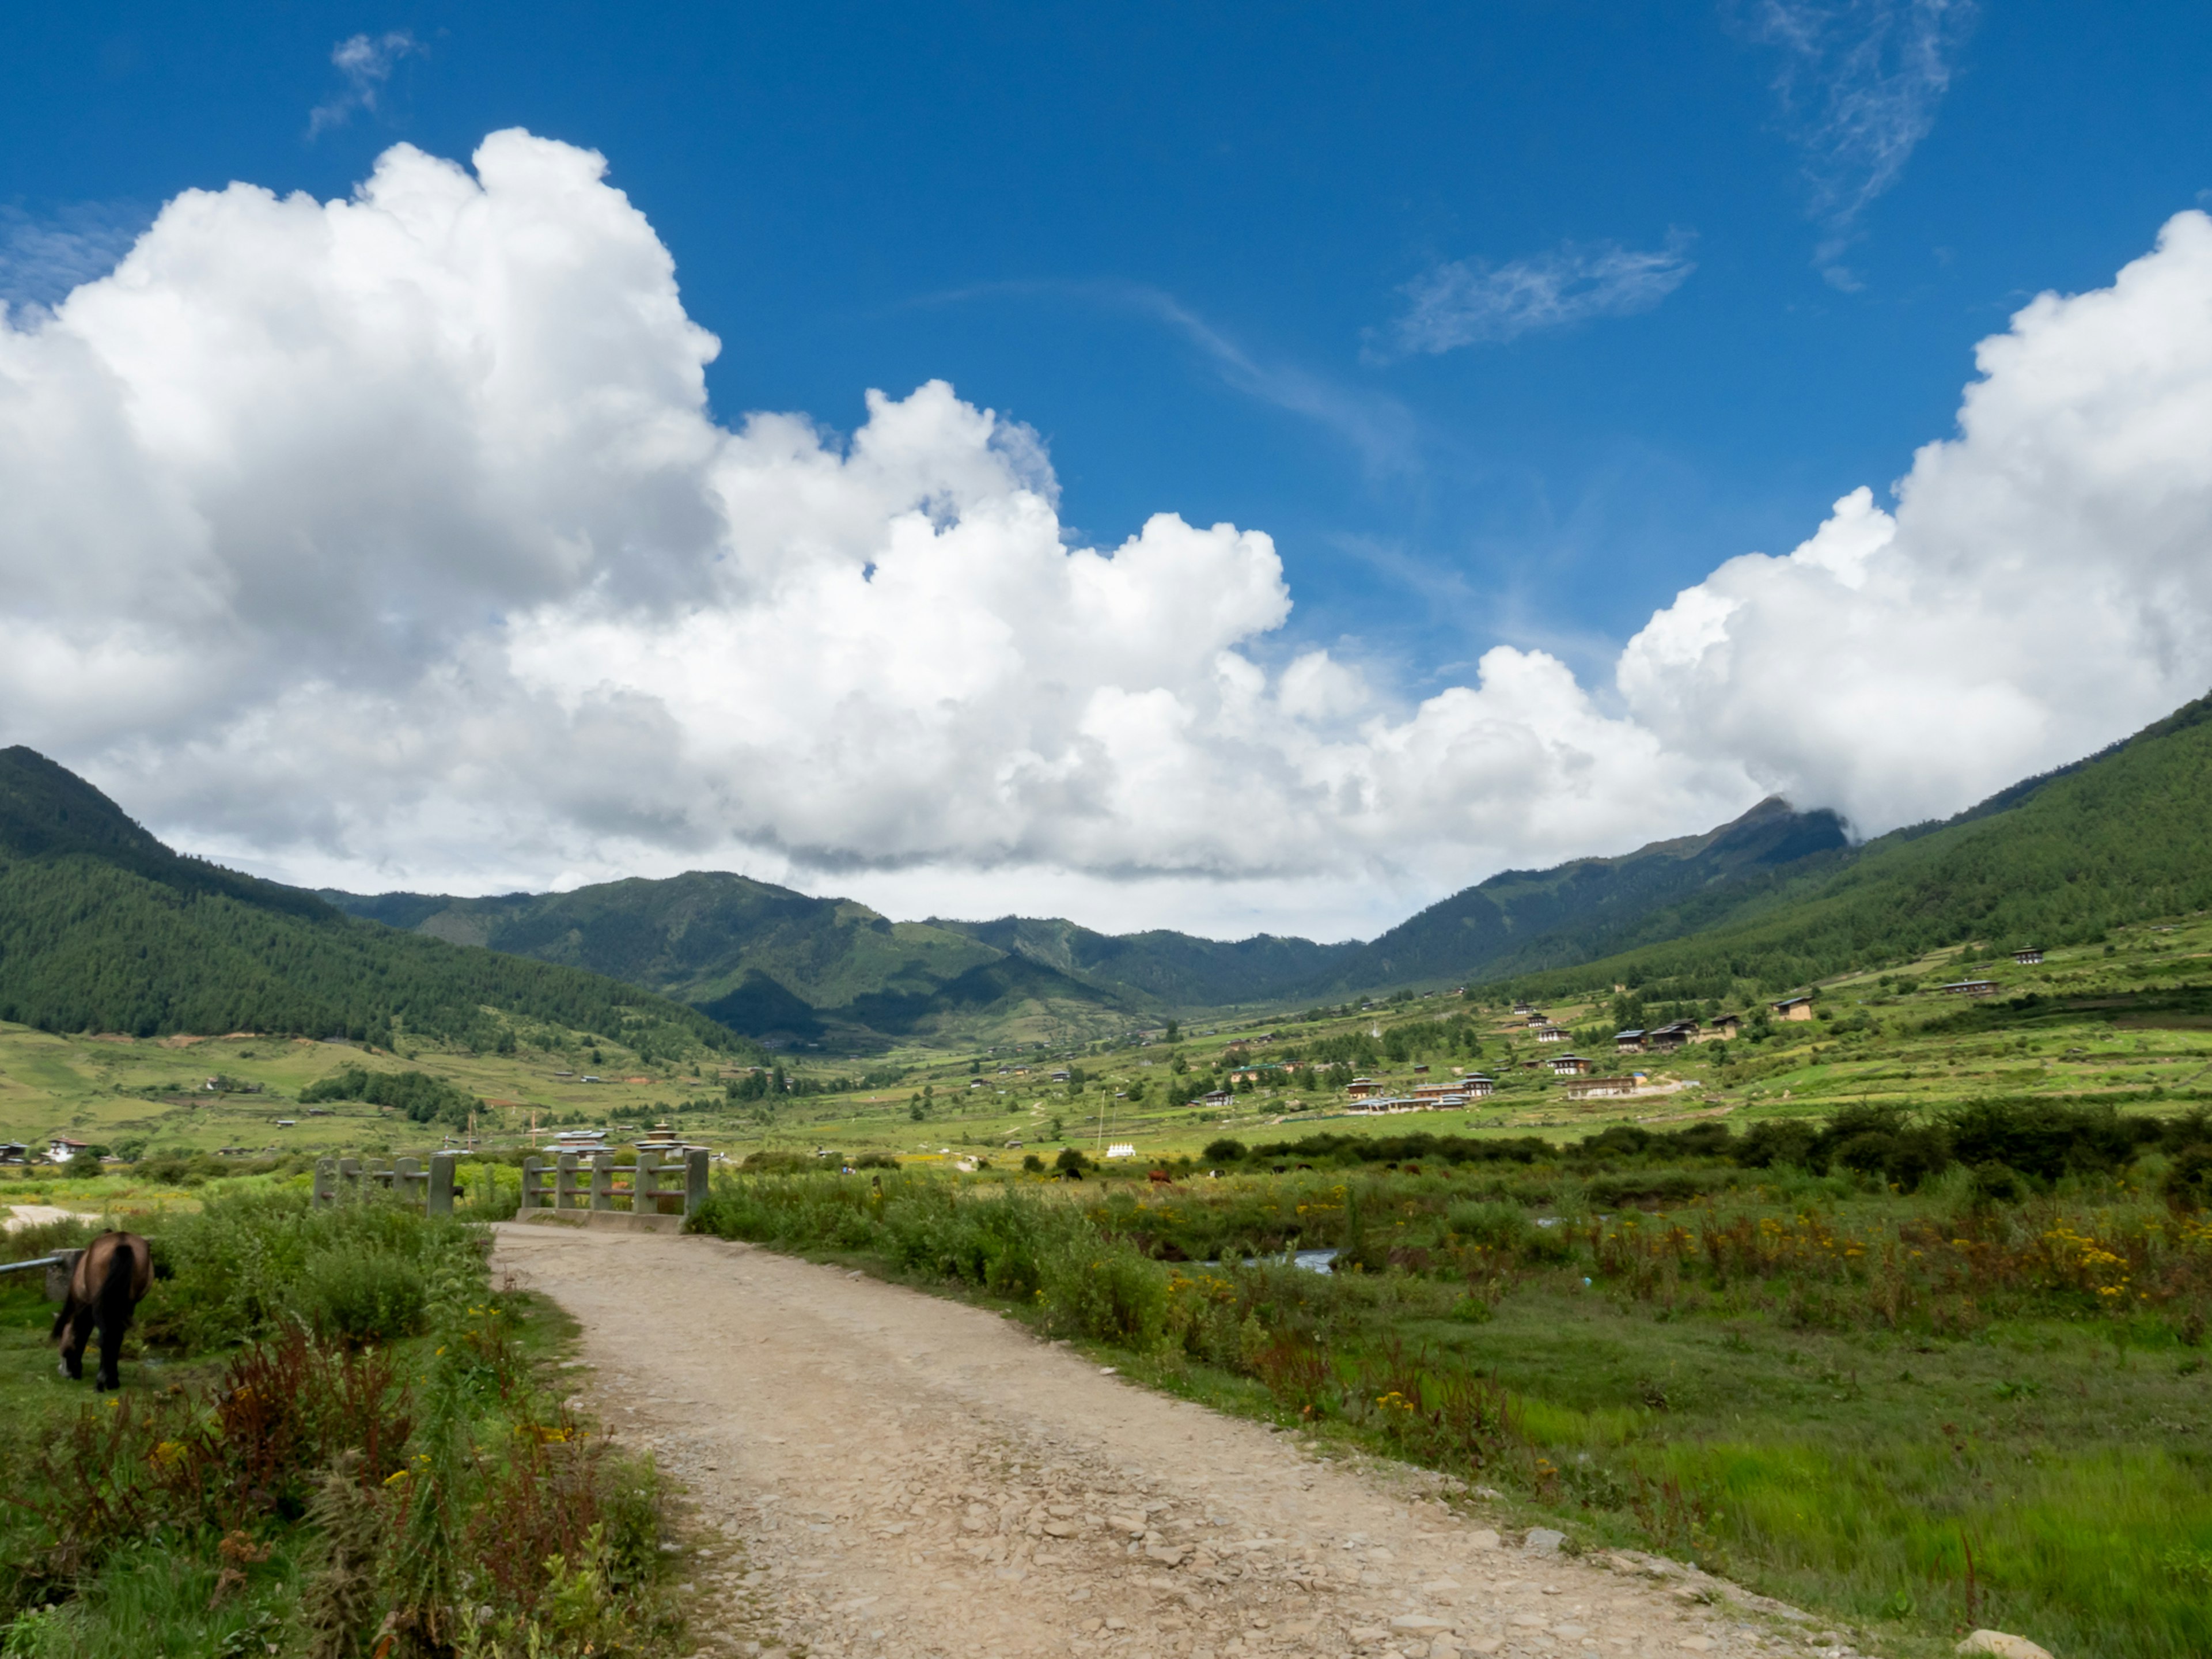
404 1178
656 1184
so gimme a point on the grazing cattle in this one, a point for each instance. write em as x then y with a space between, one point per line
1159 1177
111 1275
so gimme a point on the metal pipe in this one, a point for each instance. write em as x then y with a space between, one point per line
25 1266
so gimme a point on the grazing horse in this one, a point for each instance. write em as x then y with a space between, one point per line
111 1276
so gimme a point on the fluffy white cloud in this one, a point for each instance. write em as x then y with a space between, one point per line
2043 586
390 541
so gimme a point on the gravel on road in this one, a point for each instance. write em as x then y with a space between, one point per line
876 1471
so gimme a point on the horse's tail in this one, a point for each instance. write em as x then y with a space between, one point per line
62 1318
114 1299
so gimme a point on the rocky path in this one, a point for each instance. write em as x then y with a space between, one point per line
878 1471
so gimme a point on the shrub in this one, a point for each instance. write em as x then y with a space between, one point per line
1994 1183
1100 1288
377 1296
1499 1226
1223 1151
2188 1184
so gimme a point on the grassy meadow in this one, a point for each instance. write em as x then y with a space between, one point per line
1981 1402
334 1438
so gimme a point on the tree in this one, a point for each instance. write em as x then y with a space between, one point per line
1173 1034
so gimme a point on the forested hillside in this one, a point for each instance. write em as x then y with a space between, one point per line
103 928
2055 861
1523 919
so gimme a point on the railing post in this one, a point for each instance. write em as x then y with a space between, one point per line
603 1181
645 1185
438 1200
531 1170
695 1181
349 1176
564 1181
327 1176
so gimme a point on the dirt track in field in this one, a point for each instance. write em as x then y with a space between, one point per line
875 1471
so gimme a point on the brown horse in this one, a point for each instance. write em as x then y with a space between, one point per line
111 1276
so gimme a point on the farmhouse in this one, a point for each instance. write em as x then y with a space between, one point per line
1675 1036
61 1149
1552 1033
1589 1087
1630 1041
1475 1086
1570 1066
1725 1027
1361 1087
1970 988
1793 1008
13 1152
2029 957
1220 1098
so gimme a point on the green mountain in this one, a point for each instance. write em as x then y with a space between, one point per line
772 963
777 963
2056 859
1520 920
103 928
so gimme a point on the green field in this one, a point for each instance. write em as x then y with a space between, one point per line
2127 1021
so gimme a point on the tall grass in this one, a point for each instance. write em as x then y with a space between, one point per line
1835 1389
332 1471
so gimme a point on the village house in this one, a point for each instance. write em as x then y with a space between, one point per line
1552 1033
1792 1008
1476 1086
1570 1066
1970 988
1724 1028
1524 1008
13 1152
2029 957
1630 1041
1361 1087
60 1149
1673 1035
1590 1087
1536 1021
1218 1098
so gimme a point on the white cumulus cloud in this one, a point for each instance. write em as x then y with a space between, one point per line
390 541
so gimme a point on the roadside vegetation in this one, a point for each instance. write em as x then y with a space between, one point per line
336 1438
1922 1373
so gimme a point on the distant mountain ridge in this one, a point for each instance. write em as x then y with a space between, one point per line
2057 859
772 963
104 928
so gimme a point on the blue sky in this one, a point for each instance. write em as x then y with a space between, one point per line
1181 245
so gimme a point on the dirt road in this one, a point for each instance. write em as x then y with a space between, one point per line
896 1475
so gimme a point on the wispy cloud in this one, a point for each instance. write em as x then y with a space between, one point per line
43 257
1860 84
1381 428
366 62
1378 428
1472 302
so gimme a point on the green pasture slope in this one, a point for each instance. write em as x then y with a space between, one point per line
2120 840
